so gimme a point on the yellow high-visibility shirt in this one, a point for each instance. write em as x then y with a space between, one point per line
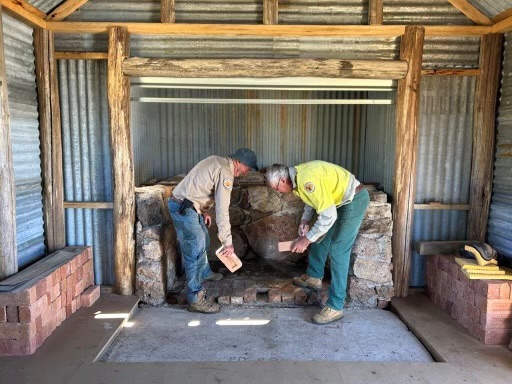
321 184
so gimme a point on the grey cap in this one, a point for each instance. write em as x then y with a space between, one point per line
245 156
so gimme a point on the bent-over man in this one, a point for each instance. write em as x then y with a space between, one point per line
340 201
209 182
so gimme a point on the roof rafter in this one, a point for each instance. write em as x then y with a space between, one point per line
502 16
65 9
471 12
24 12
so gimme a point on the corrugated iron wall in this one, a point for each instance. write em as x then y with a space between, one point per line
86 159
444 161
491 8
45 5
500 219
423 12
21 85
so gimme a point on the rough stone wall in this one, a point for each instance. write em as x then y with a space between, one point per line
260 217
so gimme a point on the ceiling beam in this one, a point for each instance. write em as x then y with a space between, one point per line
263 30
65 9
26 13
503 26
502 16
471 12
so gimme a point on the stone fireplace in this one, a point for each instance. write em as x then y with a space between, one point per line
260 217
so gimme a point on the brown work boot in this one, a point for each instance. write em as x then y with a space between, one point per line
203 305
327 315
214 276
306 281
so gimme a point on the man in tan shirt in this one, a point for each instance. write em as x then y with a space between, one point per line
209 182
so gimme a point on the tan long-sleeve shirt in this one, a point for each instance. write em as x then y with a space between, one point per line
210 182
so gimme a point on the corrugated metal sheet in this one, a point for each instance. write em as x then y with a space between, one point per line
323 12
423 12
45 5
500 218
444 160
169 139
86 159
21 85
451 51
491 8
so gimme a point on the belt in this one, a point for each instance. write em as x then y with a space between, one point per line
359 188
176 200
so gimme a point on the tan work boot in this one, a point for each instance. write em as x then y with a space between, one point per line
327 315
306 281
214 276
203 305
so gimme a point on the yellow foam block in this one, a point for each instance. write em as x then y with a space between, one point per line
473 275
471 264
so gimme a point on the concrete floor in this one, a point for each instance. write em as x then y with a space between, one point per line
264 334
67 356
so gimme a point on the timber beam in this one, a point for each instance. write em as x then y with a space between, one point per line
25 12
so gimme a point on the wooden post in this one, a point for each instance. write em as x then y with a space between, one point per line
8 250
270 12
122 161
375 12
51 142
167 12
486 95
407 107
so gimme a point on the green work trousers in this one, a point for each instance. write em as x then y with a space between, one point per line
337 245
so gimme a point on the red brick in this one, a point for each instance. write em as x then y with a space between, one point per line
224 299
481 302
250 295
456 312
469 296
274 296
499 305
30 312
61 316
453 270
493 289
505 291
300 296
75 264
25 297
12 314
17 331
90 296
3 315
497 336
80 273
65 271
17 347
502 320
287 295
462 277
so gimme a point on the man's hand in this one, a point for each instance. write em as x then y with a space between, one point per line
228 250
301 244
303 227
207 219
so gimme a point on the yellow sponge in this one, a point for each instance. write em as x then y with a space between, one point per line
485 276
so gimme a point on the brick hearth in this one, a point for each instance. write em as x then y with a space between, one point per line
483 307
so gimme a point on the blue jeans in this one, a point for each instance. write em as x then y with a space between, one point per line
337 244
194 240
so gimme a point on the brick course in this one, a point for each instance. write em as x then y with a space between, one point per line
30 315
483 307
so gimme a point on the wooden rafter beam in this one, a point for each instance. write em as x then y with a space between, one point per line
65 9
263 30
81 55
502 16
450 72
167 11
24 12
503 26
270 12
375 12
471 12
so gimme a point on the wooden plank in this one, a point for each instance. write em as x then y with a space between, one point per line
89 204
263 30
270 12
23 11
167 11
407 107
503 26
471 12
81 55
458 207
65 9
268 68
450 72
375 12
8 250
122 161
502 16
427 248
486 96
50 137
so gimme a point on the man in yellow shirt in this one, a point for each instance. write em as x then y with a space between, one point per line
209 182
340 201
